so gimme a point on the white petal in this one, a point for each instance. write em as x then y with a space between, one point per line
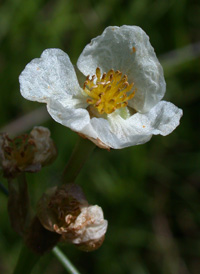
77 119
163 118
139 128
90 224
117 133
127 49
50 76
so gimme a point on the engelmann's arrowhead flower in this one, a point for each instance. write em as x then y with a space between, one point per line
119 103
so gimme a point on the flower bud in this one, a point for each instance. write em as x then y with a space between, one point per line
66 211
28 152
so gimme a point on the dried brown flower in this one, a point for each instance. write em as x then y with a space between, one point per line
65 211
27 152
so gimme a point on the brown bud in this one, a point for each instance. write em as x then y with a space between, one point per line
15 154
65 211
27 152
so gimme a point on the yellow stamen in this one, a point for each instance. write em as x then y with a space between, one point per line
109 92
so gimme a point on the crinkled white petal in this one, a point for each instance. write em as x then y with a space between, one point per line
162 119
77 119
127 49
89 225
50 76
117 132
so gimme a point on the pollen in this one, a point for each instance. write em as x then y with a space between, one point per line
109 91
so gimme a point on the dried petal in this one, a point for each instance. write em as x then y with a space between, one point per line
45 152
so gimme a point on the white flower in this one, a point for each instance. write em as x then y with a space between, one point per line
119 105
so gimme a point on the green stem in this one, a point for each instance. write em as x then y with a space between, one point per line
65 261
3 189
81 153
26 261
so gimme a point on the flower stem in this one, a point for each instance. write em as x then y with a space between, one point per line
79 156
26 261
18 203
3 189
65 261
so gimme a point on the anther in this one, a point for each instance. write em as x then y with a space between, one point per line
125 77
89 101
111 77
100 94
98 103
96 86
98 73
84 85
111 101
125 85
110 72
108 88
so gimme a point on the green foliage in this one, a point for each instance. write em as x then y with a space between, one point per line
149 193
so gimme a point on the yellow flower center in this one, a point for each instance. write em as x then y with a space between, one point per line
109 92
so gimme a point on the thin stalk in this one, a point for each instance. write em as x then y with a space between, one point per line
26 261
81 153
3 189
65 261
18 203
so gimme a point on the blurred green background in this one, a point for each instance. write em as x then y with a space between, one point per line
149 193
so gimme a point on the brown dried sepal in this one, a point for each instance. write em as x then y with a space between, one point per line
91 245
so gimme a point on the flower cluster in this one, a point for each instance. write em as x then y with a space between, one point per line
119 102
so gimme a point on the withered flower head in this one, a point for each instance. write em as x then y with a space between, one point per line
66 211
27 152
